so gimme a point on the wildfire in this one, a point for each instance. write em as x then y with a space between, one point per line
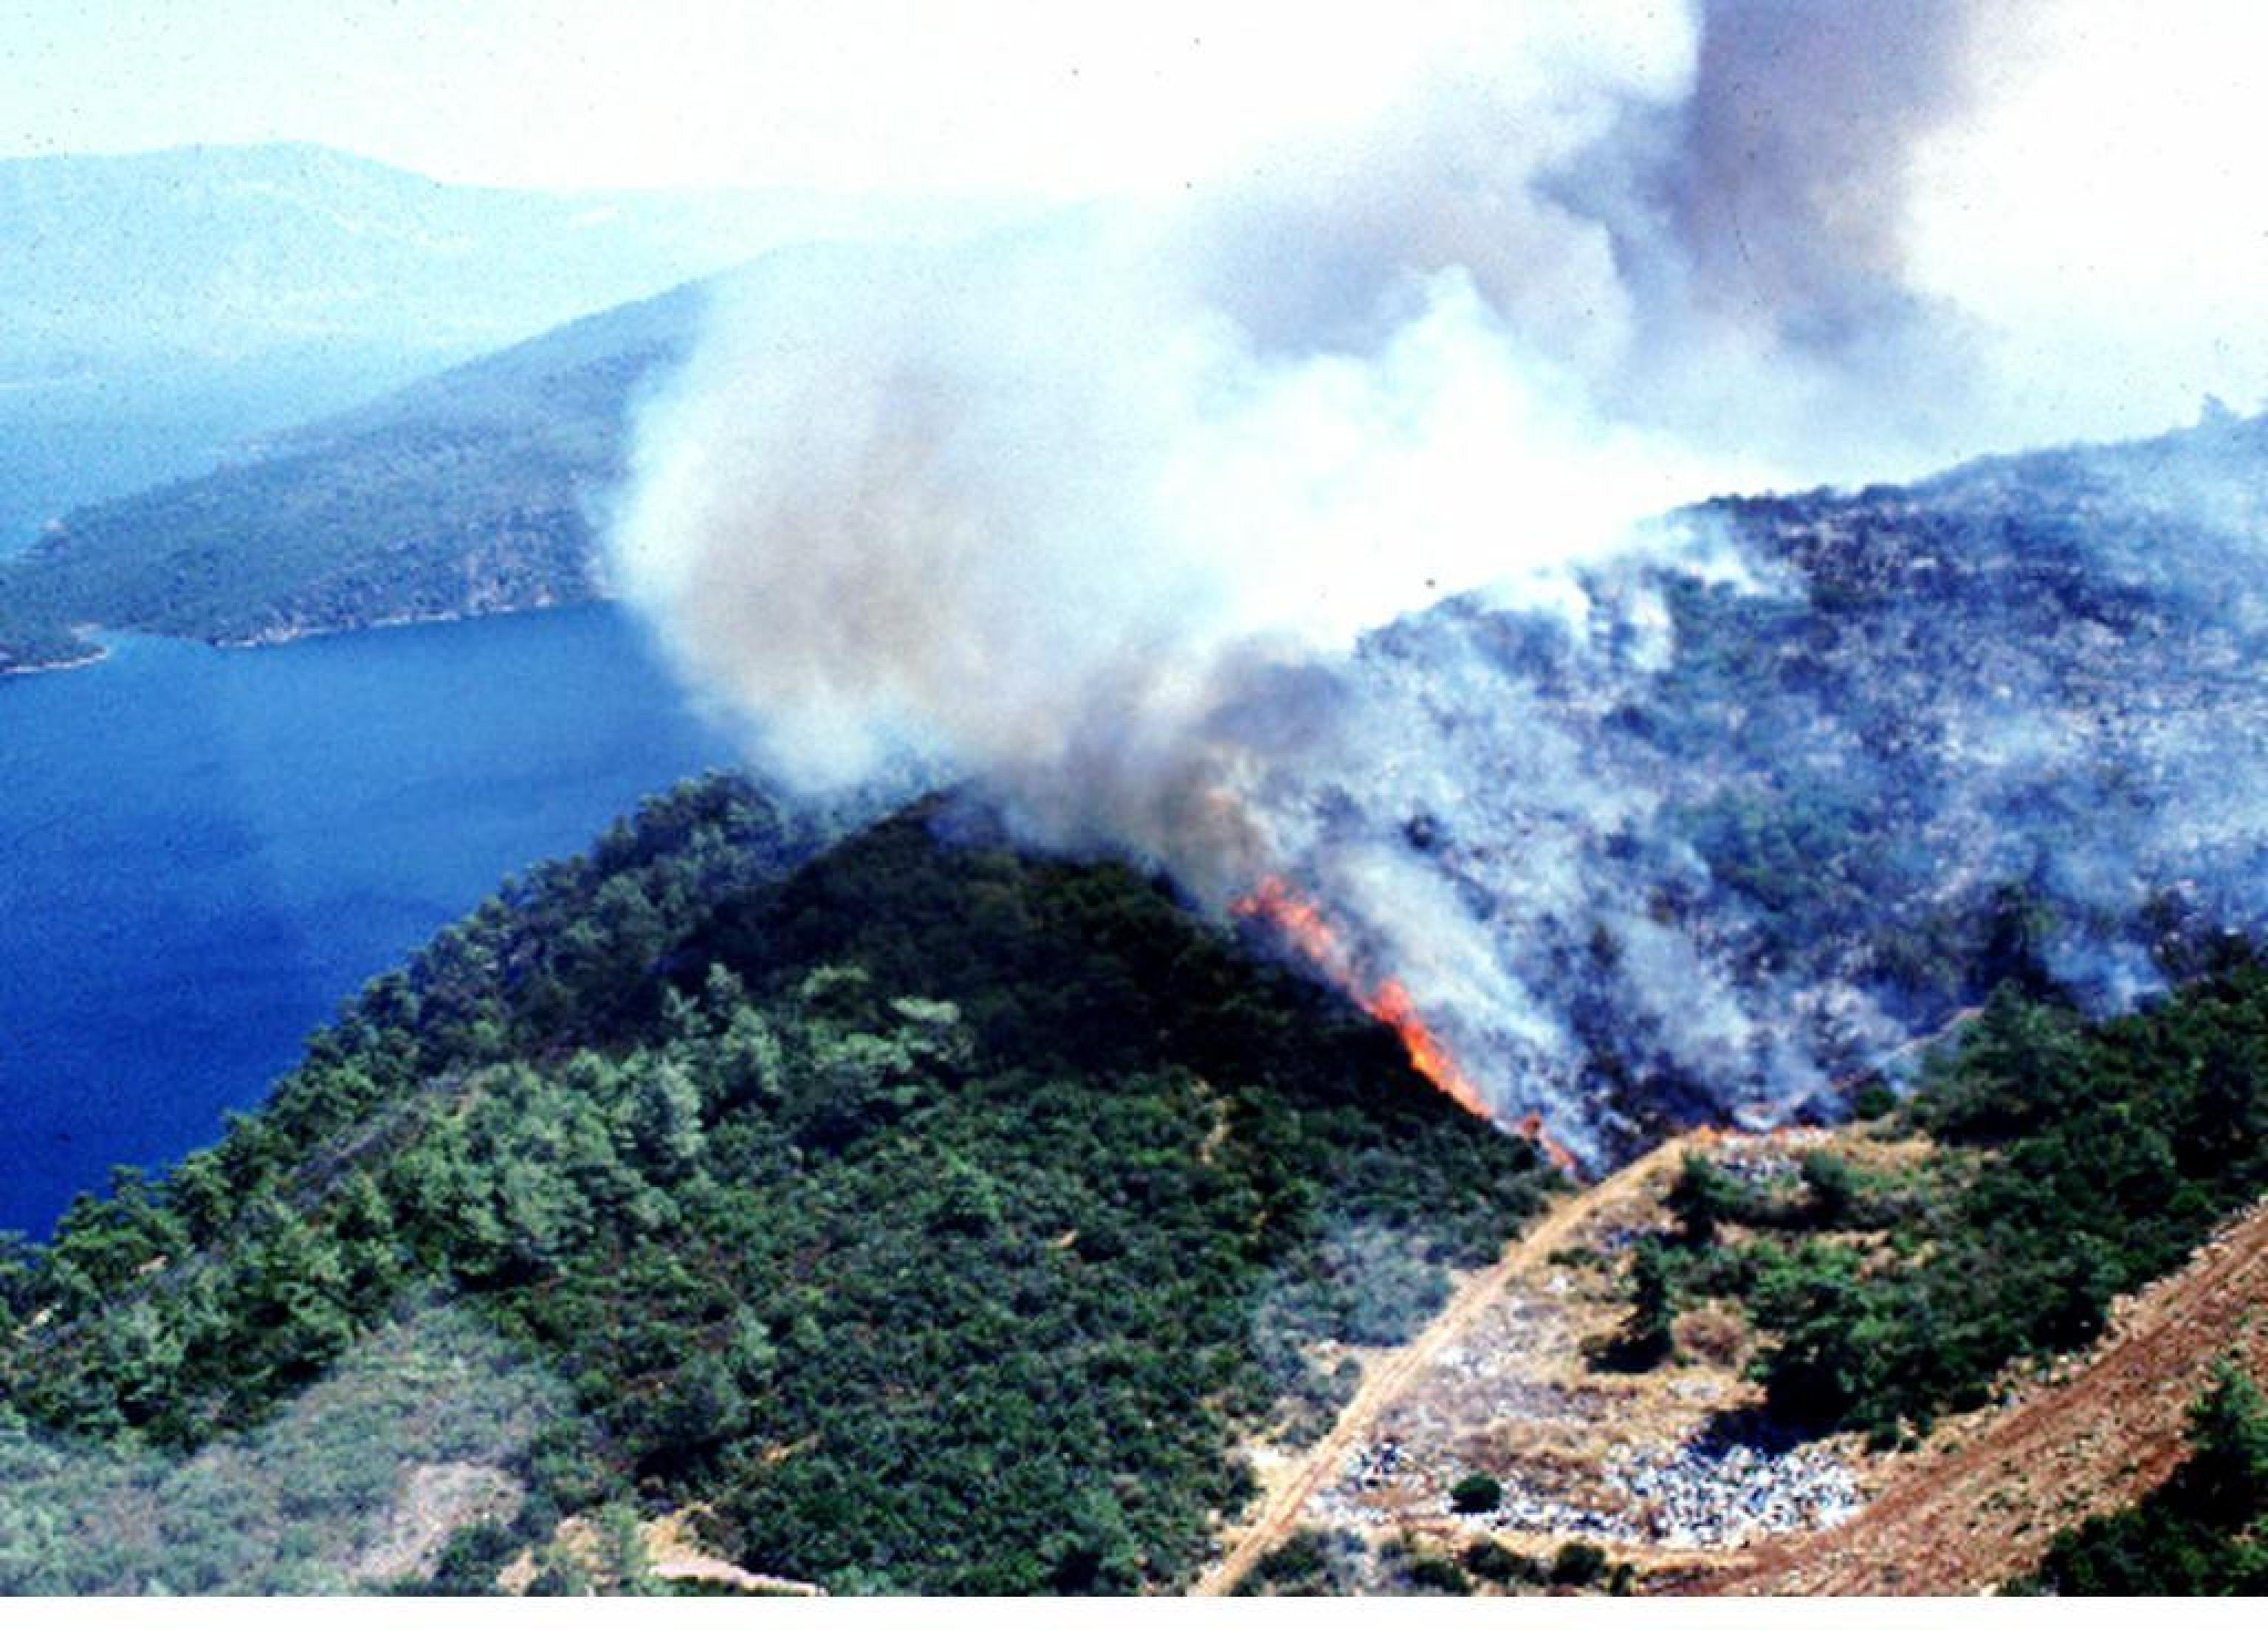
1300 922
1391 1004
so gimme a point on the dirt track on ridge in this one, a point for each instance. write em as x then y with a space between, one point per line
1393 1375
1976 1506
1980 1508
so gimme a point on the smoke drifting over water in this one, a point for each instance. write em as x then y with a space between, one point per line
1093 511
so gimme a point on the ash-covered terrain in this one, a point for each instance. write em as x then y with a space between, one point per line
1792 784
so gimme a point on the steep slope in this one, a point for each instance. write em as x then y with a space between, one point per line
359 1479
929 1215
1807 776
1975 1510
1387 1380
1982 1318
1799 777
472 492
1516 1377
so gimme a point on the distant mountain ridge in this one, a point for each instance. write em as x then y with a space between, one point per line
472 491
211 252
469 492
164 306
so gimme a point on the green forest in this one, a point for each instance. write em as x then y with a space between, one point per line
2073 1161
933 1217
928 1217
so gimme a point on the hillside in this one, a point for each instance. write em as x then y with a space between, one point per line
475 491
164 307
896 1209
900 1212
1982 1507
925 1215
1803 776
1372 1418
1903 1357
1811 773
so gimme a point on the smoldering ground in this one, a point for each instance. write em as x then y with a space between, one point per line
1093 512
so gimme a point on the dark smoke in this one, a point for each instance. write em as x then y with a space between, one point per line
1760 221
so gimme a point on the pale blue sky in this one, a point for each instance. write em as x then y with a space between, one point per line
2109 187
1003 95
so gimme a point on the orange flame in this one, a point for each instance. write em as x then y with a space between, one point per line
1391 1002
1302 922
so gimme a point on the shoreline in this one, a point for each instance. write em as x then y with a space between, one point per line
62 665
292 636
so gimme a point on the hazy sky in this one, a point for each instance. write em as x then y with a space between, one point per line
1058 97
2112 180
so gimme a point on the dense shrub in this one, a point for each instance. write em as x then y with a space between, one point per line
1477 1491
935 1218
2078 1161
1578 1564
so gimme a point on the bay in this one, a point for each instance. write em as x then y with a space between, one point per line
202 852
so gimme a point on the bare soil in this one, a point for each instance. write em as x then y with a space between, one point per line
1979 1502
1513 1377
1431 1370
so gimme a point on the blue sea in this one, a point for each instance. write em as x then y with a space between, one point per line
202 853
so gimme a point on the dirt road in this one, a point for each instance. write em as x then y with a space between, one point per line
1980 1507
1393 1375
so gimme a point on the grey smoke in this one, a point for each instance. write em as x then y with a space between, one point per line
1785 184
1093 511
948 499
1761 219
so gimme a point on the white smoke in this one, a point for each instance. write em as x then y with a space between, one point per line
953 502
1083 511
963 502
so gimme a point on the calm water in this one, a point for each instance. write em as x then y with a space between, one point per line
202 852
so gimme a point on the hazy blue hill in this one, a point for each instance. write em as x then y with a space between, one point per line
575 371
217 252
465 493
472 491
164 306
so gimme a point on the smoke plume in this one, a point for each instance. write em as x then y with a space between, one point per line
1091 512
1785 182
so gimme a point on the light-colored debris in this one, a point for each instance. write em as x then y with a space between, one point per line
434 1500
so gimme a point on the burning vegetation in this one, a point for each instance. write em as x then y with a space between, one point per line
1139 521
1302 926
